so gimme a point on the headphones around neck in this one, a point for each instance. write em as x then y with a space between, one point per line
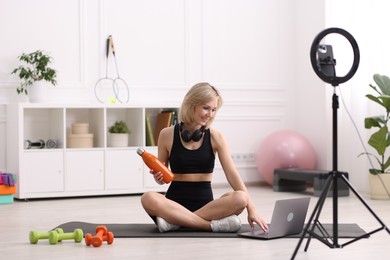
188 137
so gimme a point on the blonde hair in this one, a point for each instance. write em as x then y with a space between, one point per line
199 94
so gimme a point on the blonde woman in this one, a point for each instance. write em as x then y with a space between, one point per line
189 149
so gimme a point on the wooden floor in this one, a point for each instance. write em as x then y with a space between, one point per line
17 219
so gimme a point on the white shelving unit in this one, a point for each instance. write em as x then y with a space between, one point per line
67 172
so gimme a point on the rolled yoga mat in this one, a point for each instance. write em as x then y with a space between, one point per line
151 230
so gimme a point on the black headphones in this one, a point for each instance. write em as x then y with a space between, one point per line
195 136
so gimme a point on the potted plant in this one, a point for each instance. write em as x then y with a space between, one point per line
118 134
380 139
34 69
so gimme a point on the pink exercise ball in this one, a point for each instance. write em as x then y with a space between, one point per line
284 149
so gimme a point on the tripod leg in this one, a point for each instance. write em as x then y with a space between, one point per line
365 203
321 202
316 213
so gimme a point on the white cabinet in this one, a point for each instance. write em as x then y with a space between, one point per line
84 171
44 171
61 171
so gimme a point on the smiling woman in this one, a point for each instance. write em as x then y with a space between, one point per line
189 148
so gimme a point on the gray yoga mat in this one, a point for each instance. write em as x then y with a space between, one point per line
150 230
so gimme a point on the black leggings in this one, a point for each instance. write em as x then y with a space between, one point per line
191 195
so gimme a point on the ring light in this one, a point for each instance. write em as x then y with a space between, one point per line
333 79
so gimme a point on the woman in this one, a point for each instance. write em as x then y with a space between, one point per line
189 149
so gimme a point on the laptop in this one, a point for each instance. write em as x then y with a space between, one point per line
288 218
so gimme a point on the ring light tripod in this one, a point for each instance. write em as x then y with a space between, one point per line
323 63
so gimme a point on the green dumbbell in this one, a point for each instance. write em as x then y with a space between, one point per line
35 236
55 237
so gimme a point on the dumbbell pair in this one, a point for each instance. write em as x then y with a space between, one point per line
40 144
102 234
56 236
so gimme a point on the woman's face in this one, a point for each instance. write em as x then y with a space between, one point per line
204 112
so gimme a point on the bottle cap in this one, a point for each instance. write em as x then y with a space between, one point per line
140 151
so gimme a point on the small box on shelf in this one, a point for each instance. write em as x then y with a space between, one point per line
80 136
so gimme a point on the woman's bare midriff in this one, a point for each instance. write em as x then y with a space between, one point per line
193 177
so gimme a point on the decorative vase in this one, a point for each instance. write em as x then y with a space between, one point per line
38 92
118 140
378 191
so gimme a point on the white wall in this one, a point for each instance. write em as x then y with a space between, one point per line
164 47
310 117
255 51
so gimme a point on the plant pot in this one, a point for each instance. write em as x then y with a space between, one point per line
118 140
38 92
378 192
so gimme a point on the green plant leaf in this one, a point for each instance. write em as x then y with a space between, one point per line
380 140
386 165
375 171
383 83
385 102
374 121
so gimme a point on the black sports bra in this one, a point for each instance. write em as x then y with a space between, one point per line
183 160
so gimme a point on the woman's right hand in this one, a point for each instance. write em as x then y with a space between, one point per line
158 177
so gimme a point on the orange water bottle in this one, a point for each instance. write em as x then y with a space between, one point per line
156 165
